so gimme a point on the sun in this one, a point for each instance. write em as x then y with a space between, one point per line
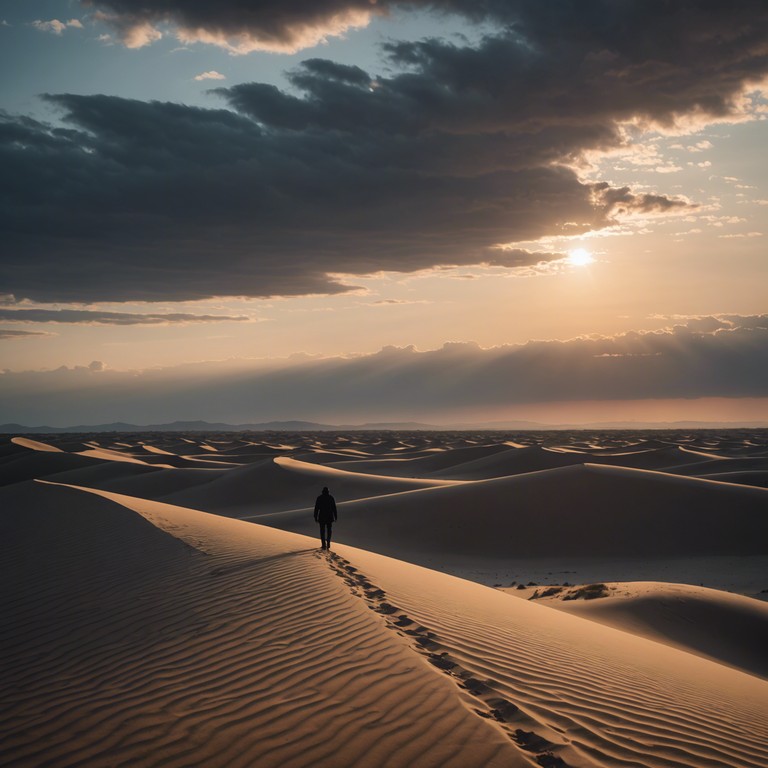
580 257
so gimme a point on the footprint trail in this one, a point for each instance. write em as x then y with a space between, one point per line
520 726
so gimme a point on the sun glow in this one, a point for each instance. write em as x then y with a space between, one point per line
580 257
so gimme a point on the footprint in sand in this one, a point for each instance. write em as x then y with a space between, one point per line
427 644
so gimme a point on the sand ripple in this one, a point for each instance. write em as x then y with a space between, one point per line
132 647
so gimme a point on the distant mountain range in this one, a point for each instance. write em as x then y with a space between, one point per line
399 426
207 426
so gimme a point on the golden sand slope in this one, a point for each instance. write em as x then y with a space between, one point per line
228 643
35 445
728 628
231 645
600 696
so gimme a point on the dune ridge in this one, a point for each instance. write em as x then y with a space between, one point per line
145 633
565 511
265 651
605 698
730 629
230 645
284 483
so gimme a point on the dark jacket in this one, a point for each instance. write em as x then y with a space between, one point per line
325 508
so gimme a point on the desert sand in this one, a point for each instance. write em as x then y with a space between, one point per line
165 601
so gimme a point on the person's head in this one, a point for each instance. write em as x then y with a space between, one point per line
325 491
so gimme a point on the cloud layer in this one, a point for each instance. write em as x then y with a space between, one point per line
463 148
640 27
7 333
98 317
237 25
722 356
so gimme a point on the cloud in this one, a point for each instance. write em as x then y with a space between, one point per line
188 203
275 25
395 302
91 317
700 146
623 202
703 356
55 26
6 333
693 29
131 32
210 75
294 192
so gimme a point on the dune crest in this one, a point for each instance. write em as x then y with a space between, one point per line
35 445
272 637
232 645
581 510
730 629
139 631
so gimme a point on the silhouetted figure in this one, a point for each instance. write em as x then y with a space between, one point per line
325 514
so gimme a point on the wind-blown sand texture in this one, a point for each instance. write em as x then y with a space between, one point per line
137 632
728 628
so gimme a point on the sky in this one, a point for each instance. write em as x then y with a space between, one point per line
346 211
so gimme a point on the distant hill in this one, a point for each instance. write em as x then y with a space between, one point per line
398 426
175 426
207 426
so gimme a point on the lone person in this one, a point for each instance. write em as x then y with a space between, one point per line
325 514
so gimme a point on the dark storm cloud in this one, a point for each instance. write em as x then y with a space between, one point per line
98 317
352 173
646 32
160 201
400 383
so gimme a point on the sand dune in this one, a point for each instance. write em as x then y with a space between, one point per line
584 510
757 477
326 457
107 455
18 467
140 633
488 462
183 462
713 466
35 445
264 651
103 474
224 459
423 465
534 459
156 484
730 629
514 461
156 449
131 647
8 448
602 698
283 483
100 469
